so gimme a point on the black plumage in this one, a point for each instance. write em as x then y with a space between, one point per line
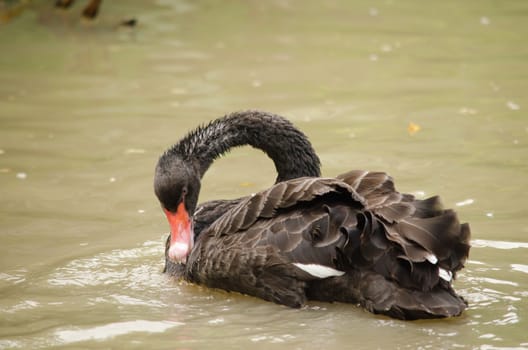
352 239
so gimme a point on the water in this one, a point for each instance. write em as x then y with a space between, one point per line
85 110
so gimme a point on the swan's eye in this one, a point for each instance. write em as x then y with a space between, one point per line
184 191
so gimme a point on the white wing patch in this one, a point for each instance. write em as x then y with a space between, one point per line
432 258
319 271
444 274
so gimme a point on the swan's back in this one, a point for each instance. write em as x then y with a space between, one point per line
350 239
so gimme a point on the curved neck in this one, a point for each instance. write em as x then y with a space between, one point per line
288 147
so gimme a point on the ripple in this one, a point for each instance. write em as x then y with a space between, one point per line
487 336
483 243
112 268
218 320
491 347
113 330
519 268
24 305
496 281
9 344
13 277
483 297
128 300
507 319
271 338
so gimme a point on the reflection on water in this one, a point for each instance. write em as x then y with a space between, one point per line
435 95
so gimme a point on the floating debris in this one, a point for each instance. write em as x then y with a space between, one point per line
513 106
141 211
129 22
218 320
179 91
134 151
373 11
386 48
11 9
494 86
465 202
2 151
467 111
489 215
373 57
112 179
484 21
220 45
21 176
413 128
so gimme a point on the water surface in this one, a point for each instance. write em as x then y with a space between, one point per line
86 108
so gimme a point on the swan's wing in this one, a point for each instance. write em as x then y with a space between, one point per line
423 228
280 196
208 212
332 233
379 193
275 257
255 246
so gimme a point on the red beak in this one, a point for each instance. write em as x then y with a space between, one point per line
182 236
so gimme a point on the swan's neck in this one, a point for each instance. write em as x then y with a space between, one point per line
288 147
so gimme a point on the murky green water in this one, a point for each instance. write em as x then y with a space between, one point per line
85 110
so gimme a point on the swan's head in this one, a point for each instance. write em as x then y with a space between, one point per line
177 186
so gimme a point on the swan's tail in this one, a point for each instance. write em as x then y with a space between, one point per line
380 295
384 296
404 253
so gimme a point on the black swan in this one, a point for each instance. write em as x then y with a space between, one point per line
351 239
